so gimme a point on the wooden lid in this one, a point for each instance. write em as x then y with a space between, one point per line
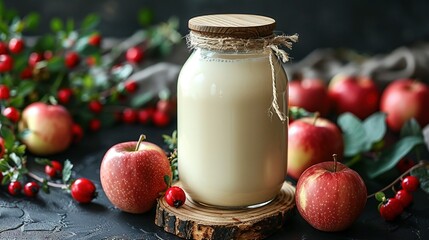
233 25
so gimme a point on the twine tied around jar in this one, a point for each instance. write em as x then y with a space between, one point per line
273 43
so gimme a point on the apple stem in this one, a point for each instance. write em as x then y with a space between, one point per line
141 139
420 164
334 156
316 116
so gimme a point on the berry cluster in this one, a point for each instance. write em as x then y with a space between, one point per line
82 190
391 208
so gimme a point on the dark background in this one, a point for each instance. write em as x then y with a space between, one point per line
369 27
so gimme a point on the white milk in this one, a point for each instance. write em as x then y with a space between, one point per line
231 144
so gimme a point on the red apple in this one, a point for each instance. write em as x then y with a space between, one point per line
356 94
405 99
311 141
310 94
46 129
330 196
132 175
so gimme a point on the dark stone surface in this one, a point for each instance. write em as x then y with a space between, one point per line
58 216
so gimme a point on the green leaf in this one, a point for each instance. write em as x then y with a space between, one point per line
4 165
16 159
422 173
69 25
411 128
6 179
67 171
354 134
56 64
391 156
46 42
375 128
45 186
43 161
8 137
4 28
32 21
145 17
25 88
20 149
167 180
56 25
90 22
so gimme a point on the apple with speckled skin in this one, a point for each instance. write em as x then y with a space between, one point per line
46 129
133 174
356 94
310 94
330 196
404 99
312 140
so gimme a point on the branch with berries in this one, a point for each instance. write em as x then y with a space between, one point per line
64 84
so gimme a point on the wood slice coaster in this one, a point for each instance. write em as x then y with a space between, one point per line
194 221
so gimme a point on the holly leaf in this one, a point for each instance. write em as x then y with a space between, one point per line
391 156
145 17
354 134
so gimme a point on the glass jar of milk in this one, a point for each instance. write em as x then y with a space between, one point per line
232 112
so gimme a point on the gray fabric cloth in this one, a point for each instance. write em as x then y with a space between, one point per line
403 62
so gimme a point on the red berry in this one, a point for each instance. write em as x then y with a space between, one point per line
77 133
129 115
145 115
6 63
95 106
16 45
48 55
91 61
410 183
404 197
404 164
3 48
71 59
14 188
391 209
161 119
2 151
94 40
94 125
4 92
34 58
131 86
134 54
31 189
64 95
12 114
54 170
83 190
175 196
26 73
165 105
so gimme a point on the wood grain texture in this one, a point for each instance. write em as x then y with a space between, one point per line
233 25
193 221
